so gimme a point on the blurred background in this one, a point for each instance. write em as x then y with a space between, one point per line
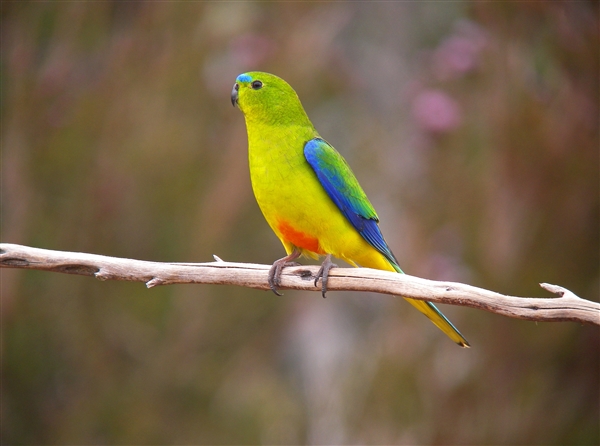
473 128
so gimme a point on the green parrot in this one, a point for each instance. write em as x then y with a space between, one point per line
308 193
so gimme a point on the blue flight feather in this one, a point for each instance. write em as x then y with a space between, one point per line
341 185
343 188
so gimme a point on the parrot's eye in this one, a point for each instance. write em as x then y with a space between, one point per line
257 85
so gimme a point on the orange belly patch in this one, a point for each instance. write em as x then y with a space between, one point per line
298 238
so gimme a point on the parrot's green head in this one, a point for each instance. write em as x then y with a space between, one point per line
268 99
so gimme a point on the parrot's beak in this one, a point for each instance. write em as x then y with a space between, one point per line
234 94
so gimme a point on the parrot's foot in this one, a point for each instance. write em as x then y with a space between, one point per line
277 269
323 273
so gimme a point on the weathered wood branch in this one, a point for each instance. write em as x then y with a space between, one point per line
566 307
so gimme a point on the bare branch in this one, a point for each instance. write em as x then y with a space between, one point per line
566 307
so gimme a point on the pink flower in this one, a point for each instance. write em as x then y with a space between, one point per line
436 112
458 54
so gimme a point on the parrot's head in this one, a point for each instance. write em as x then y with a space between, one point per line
267 98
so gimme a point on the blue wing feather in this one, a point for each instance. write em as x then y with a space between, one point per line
341 185
343 188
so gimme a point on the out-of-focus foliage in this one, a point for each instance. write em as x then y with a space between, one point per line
473 127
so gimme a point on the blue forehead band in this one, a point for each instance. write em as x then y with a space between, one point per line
243 78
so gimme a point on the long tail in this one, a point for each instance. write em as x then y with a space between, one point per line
436 316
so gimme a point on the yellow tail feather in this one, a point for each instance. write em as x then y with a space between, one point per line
434 315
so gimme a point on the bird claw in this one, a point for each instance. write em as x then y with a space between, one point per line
323 274
277 269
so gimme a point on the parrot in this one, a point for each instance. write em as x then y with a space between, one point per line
308 193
